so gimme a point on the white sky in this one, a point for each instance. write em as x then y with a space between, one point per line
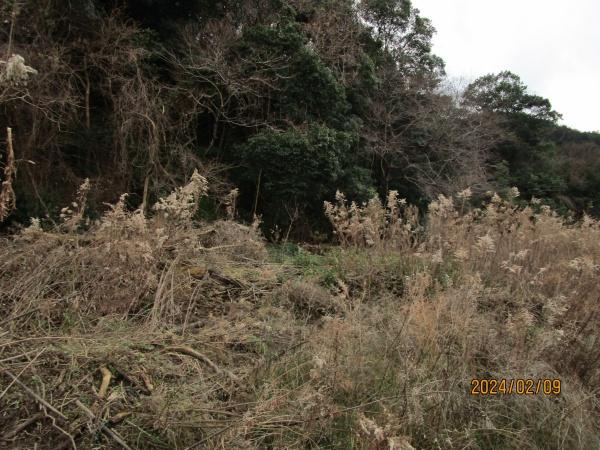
553 45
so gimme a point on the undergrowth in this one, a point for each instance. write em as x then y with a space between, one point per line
158 331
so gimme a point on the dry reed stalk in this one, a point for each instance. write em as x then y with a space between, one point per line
7 194
202 357
105 429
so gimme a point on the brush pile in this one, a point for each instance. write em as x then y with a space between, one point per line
159 331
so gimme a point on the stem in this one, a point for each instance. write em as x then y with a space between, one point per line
11 32
257 192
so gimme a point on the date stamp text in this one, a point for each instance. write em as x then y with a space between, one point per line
515 386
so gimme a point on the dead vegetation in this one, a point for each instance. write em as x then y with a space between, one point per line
7 193
159 331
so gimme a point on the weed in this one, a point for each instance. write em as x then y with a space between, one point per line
215 339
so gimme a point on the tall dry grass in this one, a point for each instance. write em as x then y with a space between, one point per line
7 194
495 292
373 224
176 333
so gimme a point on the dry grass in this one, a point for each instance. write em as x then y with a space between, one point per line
7 194
180 334
373 224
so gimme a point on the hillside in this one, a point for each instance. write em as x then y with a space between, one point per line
288 101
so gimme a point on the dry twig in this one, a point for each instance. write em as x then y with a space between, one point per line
106 430
15 431
205 359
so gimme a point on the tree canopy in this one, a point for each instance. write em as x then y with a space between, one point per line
287 99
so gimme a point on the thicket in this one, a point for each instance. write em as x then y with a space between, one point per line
157 331
288 100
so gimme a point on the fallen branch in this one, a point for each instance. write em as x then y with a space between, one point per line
106 377
36 397
13 433
205 359
106 430
147 381
220 247
119 417
226 280
46 405
145 387
22 371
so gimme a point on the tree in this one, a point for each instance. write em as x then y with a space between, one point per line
505 93
405 36
526 150
425 143
294 170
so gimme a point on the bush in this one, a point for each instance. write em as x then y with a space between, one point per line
296 169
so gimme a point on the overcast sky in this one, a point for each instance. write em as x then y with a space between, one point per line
554 46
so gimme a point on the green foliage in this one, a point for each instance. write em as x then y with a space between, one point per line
310 91
301 98
533 154
297 169
404 34
357 183
283 38
388 14
505 93
546 179
313 93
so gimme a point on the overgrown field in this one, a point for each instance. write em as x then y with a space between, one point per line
160 332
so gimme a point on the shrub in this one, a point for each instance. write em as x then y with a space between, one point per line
296 170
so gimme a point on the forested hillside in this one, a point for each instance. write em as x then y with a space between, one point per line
288 101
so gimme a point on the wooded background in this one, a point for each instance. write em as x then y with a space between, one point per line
288 100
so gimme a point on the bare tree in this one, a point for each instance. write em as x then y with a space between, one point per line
428 139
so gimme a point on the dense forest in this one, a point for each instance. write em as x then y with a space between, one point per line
287 100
